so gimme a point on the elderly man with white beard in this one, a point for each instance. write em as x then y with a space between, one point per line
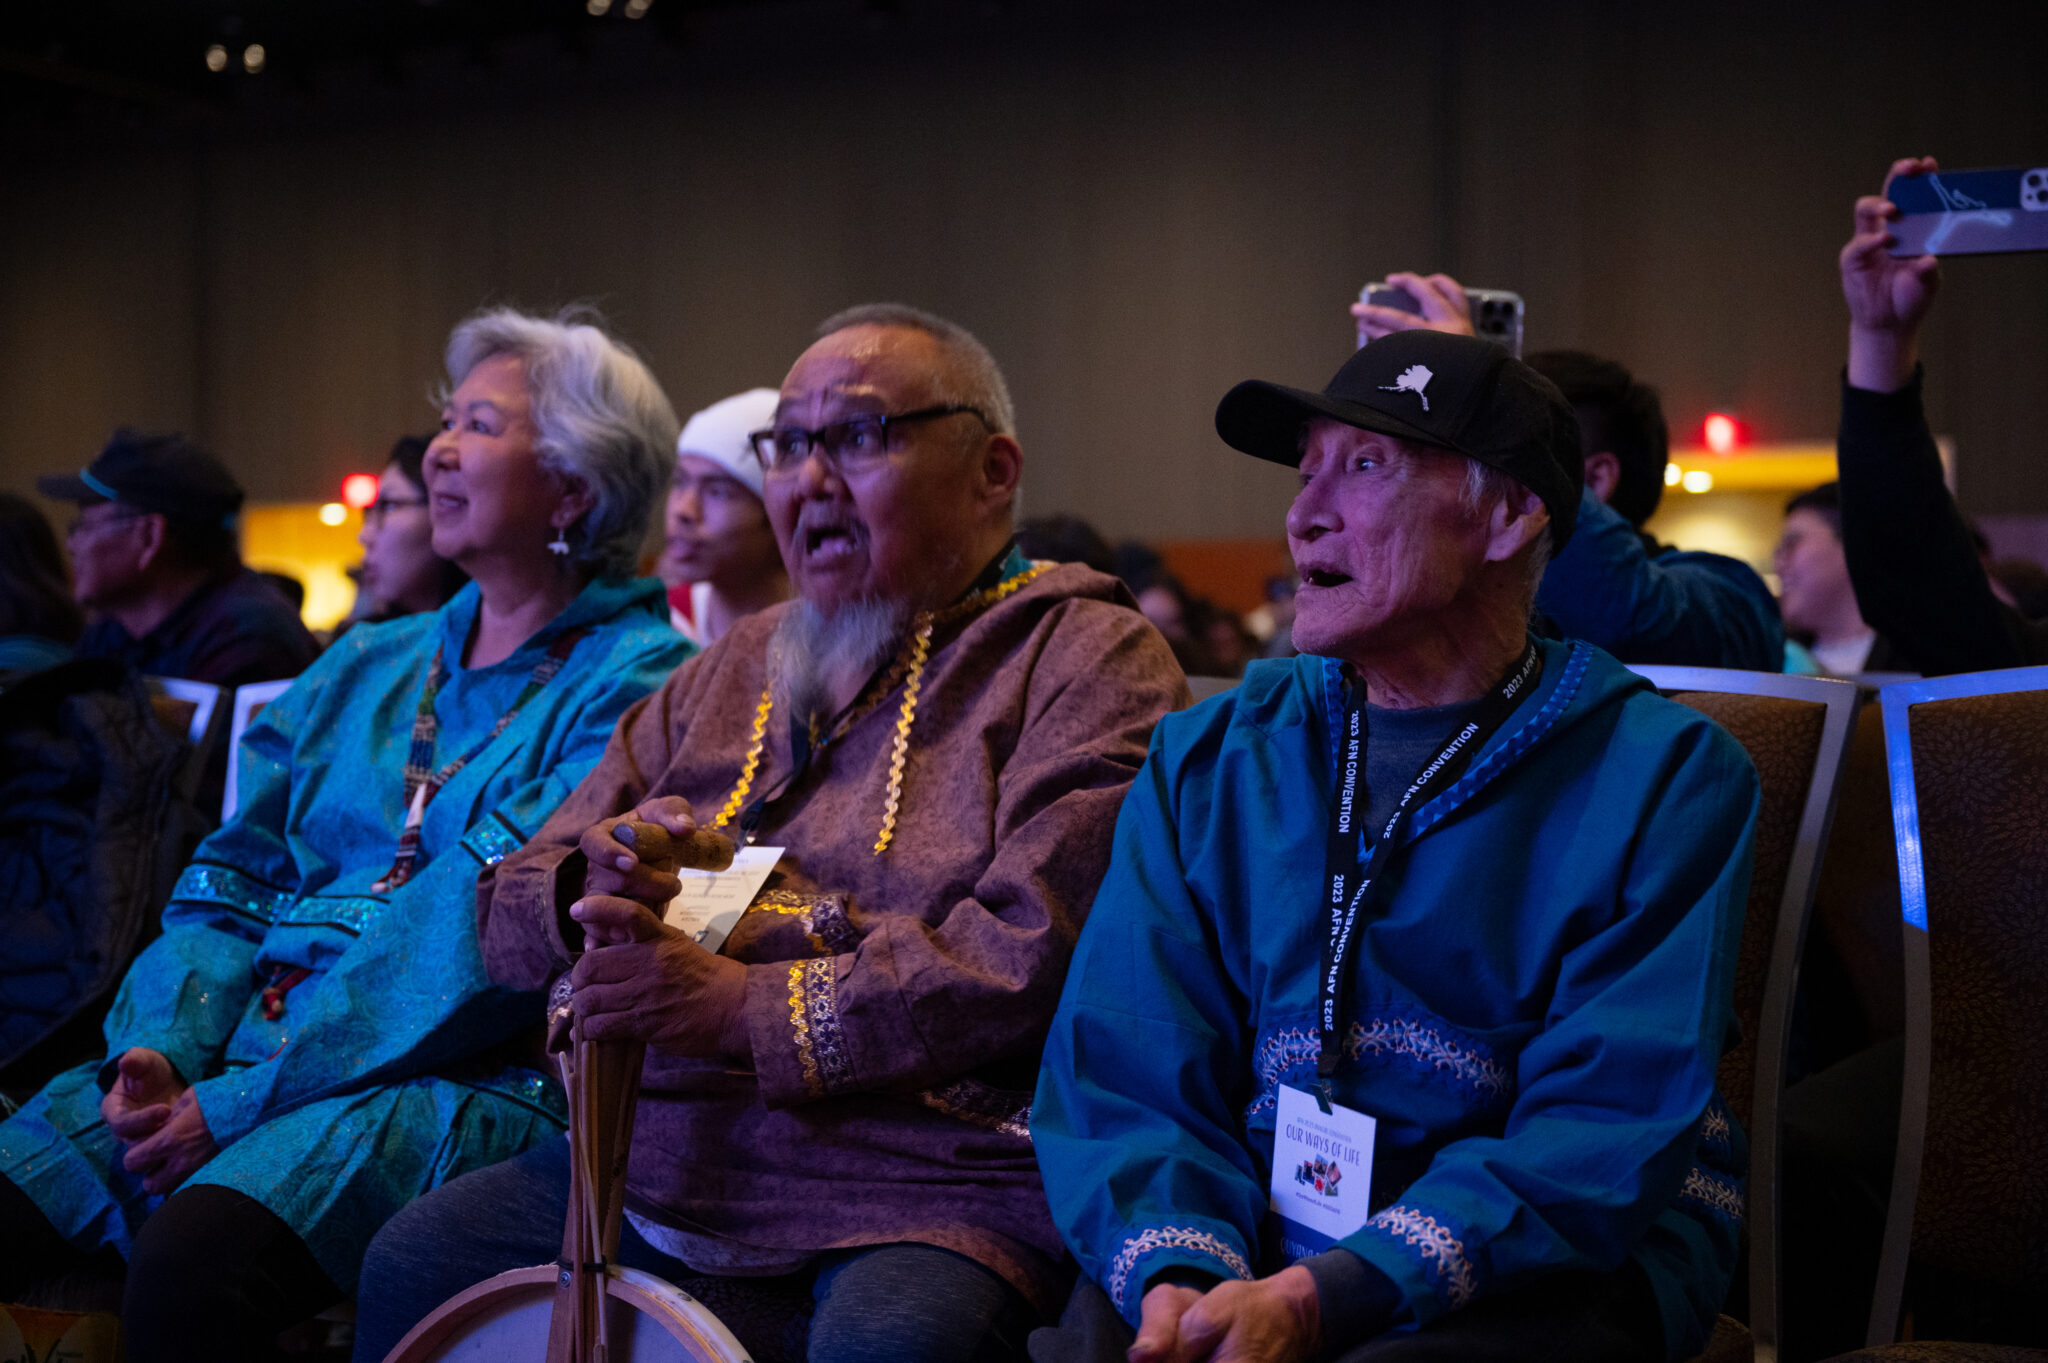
937 734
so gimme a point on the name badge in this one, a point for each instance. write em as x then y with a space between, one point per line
1322 1172
710 902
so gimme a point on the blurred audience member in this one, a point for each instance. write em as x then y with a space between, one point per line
401 574
240 1176
1918 578
154 557
720 561
1066 539
1813 580
1165 603
1225 641
1272 624
1614 585
2024 583
39 622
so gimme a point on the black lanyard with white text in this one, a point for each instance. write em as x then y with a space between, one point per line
1348 879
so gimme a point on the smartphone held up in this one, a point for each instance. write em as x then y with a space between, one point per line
1971 212
1496 313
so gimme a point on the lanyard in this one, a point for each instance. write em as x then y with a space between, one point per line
422 782
1348 878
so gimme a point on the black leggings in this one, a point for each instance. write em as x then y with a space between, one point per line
215 1275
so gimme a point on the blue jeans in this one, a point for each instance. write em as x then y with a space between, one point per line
885 1304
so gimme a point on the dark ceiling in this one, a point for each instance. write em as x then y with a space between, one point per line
70 66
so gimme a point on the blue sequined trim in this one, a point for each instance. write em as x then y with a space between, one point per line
347 913
491 841
1421 1044
233 891
530 1087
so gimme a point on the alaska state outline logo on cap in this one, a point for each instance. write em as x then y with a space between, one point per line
1413 379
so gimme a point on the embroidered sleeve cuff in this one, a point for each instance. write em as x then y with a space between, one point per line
1355 1300
792 1015
1157 1250
1424 1257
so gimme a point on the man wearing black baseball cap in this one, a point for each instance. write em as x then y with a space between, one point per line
154 556
1392 1033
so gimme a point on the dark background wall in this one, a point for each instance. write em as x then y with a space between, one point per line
1135 205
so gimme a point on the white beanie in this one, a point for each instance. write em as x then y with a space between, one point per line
719 433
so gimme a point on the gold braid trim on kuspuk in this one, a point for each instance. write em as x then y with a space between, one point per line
907 669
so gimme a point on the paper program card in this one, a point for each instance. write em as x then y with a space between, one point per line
710 902
1322 1172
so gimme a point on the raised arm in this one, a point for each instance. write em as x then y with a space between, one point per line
1911 558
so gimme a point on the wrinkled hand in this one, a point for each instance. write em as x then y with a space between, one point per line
179 1147
1444 308
1272 1320
139 1103
656 985
613 866
1888 297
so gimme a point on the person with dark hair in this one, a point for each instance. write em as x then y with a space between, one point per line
39 622
154 557
1066 539
401 574
1918 577
1815 592
1615 585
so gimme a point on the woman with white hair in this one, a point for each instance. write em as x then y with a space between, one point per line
313 1042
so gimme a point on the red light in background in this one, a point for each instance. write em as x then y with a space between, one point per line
1722 433
359 490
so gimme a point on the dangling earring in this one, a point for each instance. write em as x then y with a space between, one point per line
559 545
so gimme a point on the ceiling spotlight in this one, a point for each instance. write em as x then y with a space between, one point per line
216 58
252 58
334 513
636 8
598 8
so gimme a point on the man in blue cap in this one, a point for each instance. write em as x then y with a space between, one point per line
154 557
1393 1032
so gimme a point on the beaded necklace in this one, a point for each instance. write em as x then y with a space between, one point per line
422 782
907 668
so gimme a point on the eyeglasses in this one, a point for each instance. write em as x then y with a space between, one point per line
852 446
376 511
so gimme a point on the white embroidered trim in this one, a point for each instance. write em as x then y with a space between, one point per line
1416 1041
1714 1124
1168 1237
1440 1249
1398 1036
1716 1194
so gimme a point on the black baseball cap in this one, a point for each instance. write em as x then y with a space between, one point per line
1455 392
167 474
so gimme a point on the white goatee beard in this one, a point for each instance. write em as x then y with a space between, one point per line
810 648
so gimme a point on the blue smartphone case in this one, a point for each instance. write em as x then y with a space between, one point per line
1971 212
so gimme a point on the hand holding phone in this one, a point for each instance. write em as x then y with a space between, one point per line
1408 301
1970 212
